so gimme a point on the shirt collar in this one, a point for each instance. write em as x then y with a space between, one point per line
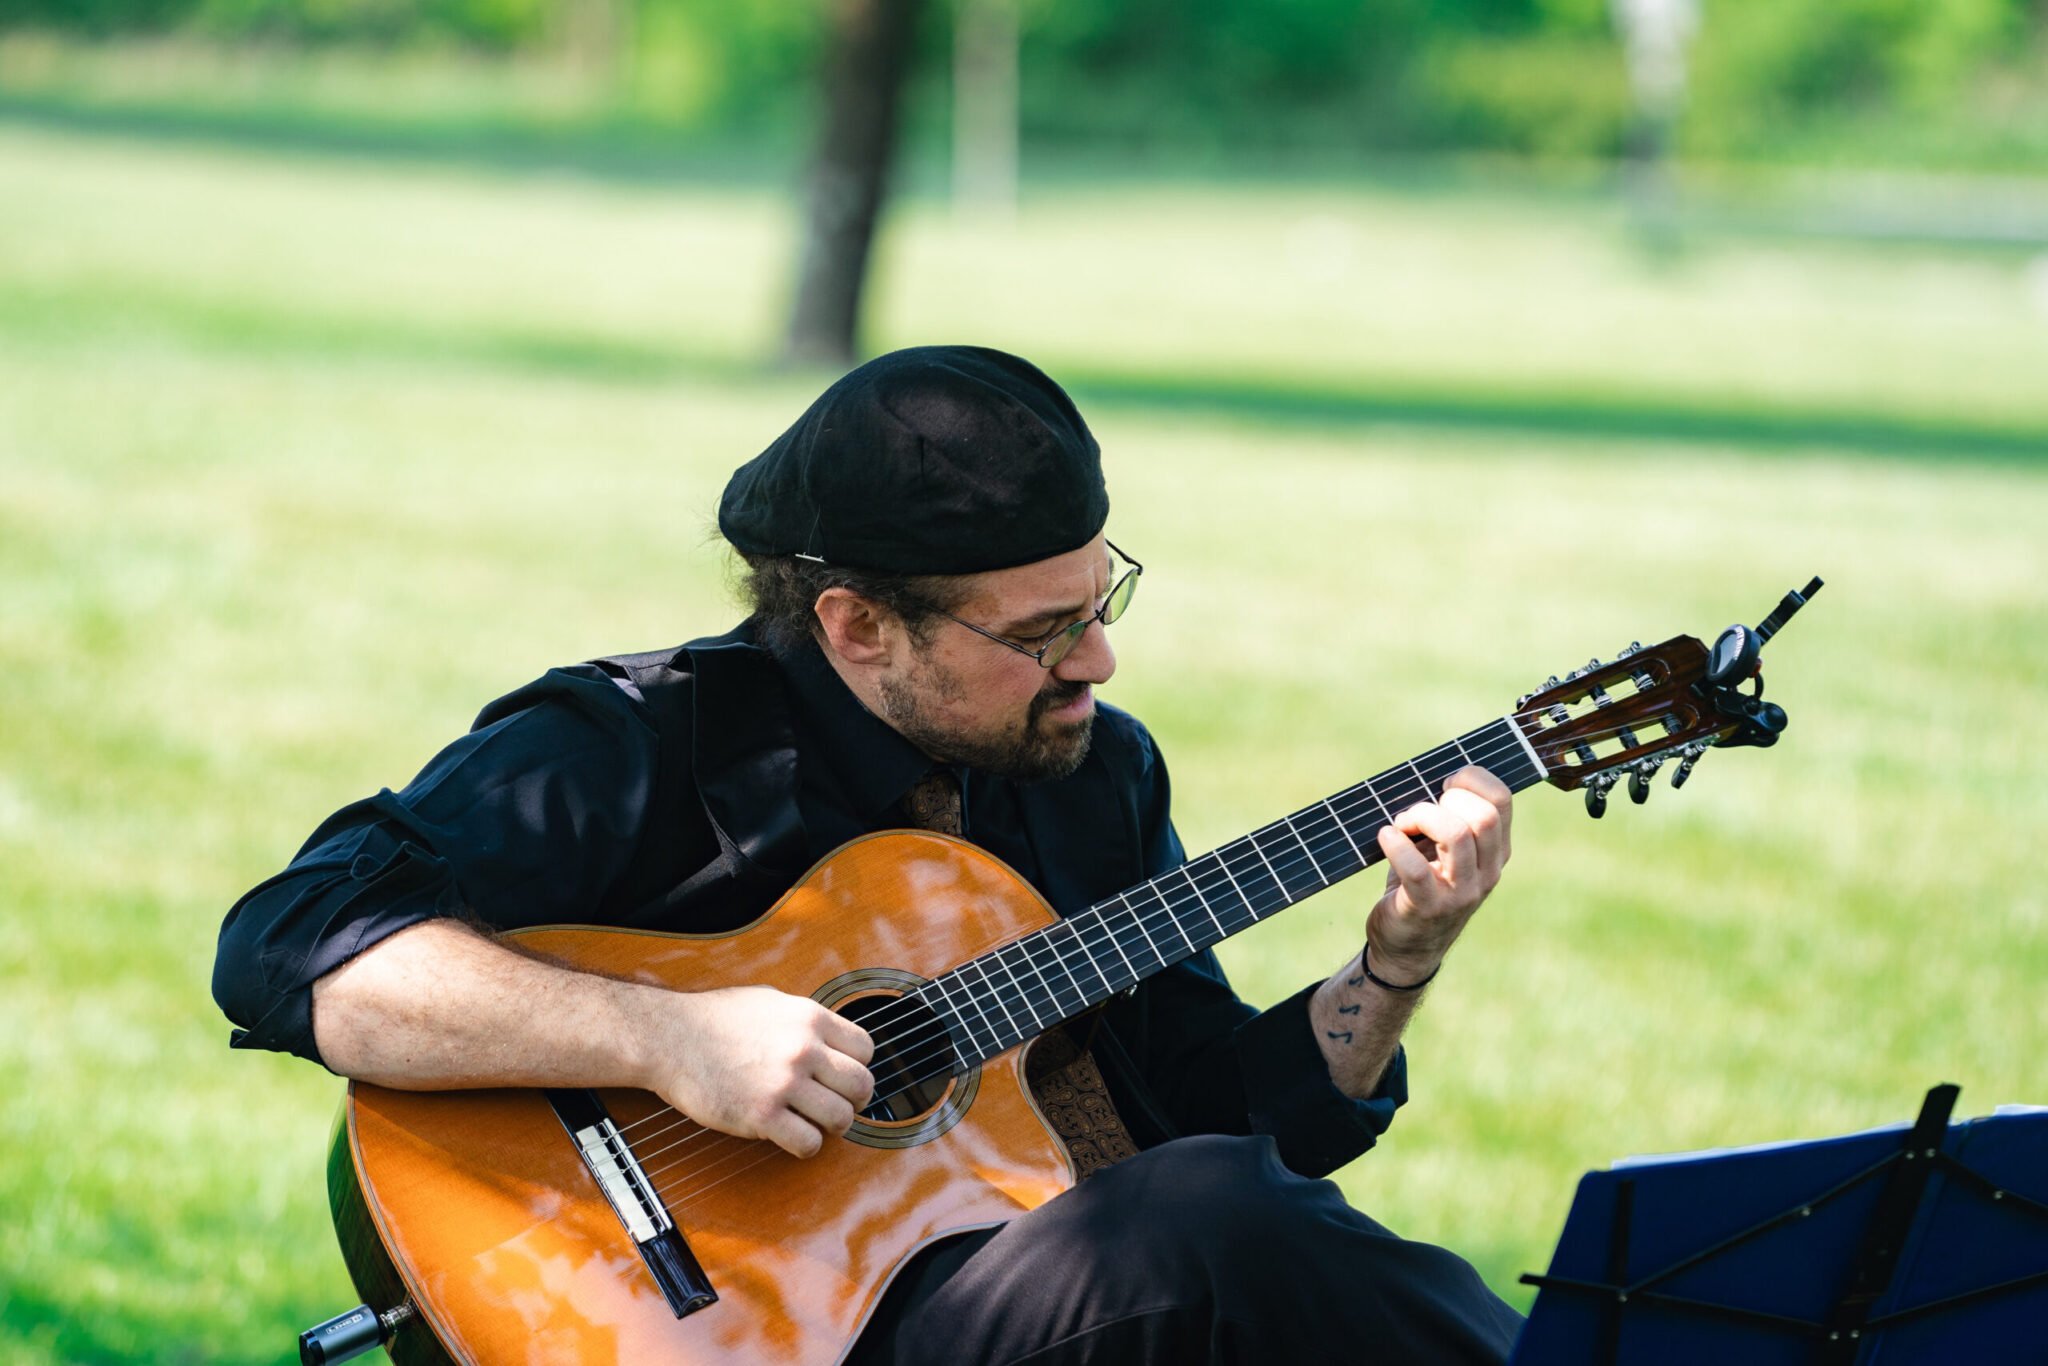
873 764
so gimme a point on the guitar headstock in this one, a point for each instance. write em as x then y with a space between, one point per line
1652 705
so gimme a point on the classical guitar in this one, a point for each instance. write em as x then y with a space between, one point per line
602 1226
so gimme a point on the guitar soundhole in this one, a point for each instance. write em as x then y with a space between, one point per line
913 1056
918 1099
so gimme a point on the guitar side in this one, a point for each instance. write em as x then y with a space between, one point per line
477 1209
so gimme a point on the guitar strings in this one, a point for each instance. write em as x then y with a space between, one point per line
1059 957
1169 906
1370 786
910 1060
1171 911
1314 823
1167 913
1489 752
773 1151
678 1200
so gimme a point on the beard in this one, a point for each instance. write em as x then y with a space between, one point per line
1034 750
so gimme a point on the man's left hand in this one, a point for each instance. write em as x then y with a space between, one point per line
1443 858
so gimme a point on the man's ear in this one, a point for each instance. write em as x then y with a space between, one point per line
857 629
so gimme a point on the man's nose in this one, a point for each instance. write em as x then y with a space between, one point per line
1092 661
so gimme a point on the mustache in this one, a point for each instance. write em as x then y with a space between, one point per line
1055 695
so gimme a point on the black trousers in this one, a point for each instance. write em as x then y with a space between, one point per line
1203 1250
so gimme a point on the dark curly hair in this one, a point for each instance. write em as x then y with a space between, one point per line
782 592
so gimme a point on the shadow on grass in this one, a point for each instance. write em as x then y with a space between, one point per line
218 324
1618 417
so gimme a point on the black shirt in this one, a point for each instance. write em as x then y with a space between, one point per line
687 793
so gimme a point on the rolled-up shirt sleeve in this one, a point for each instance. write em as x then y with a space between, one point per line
1217 1065
526 820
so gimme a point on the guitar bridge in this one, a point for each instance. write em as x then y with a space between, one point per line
618 1173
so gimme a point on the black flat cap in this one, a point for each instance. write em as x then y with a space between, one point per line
933 460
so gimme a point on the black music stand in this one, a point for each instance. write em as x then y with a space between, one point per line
1920 1243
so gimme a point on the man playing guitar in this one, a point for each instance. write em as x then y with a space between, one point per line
931 588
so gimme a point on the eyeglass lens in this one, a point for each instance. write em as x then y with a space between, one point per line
1112 607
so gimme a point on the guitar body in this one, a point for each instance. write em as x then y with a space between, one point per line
477 1207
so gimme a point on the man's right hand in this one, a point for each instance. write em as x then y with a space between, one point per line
438 1006
758 1063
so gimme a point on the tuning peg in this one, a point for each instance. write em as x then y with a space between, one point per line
1596 794
1639 780
1692 756
1634 647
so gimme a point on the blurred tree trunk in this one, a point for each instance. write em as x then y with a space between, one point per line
864 76
595 35
985 107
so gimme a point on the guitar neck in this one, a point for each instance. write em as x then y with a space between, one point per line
1016 992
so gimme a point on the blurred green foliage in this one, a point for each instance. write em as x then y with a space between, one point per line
1540 78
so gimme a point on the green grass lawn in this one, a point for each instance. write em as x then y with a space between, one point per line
302 461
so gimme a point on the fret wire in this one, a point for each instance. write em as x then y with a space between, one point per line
954 1046
1231 899
1103 921
1286 897
1402 800
1014 992
990 988
1045 982
1449 767
1316 819
1254 899
1221 933
1363 861
1125 897
1289 820
1419 778
1088 956
1223 862
1371 786
988 1021
1023 995
1332 848
1172 915
965 1028
1080 995
1248 885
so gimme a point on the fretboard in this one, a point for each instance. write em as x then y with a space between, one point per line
1014 993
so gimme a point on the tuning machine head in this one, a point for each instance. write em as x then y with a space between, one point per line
1597 788
1639 775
